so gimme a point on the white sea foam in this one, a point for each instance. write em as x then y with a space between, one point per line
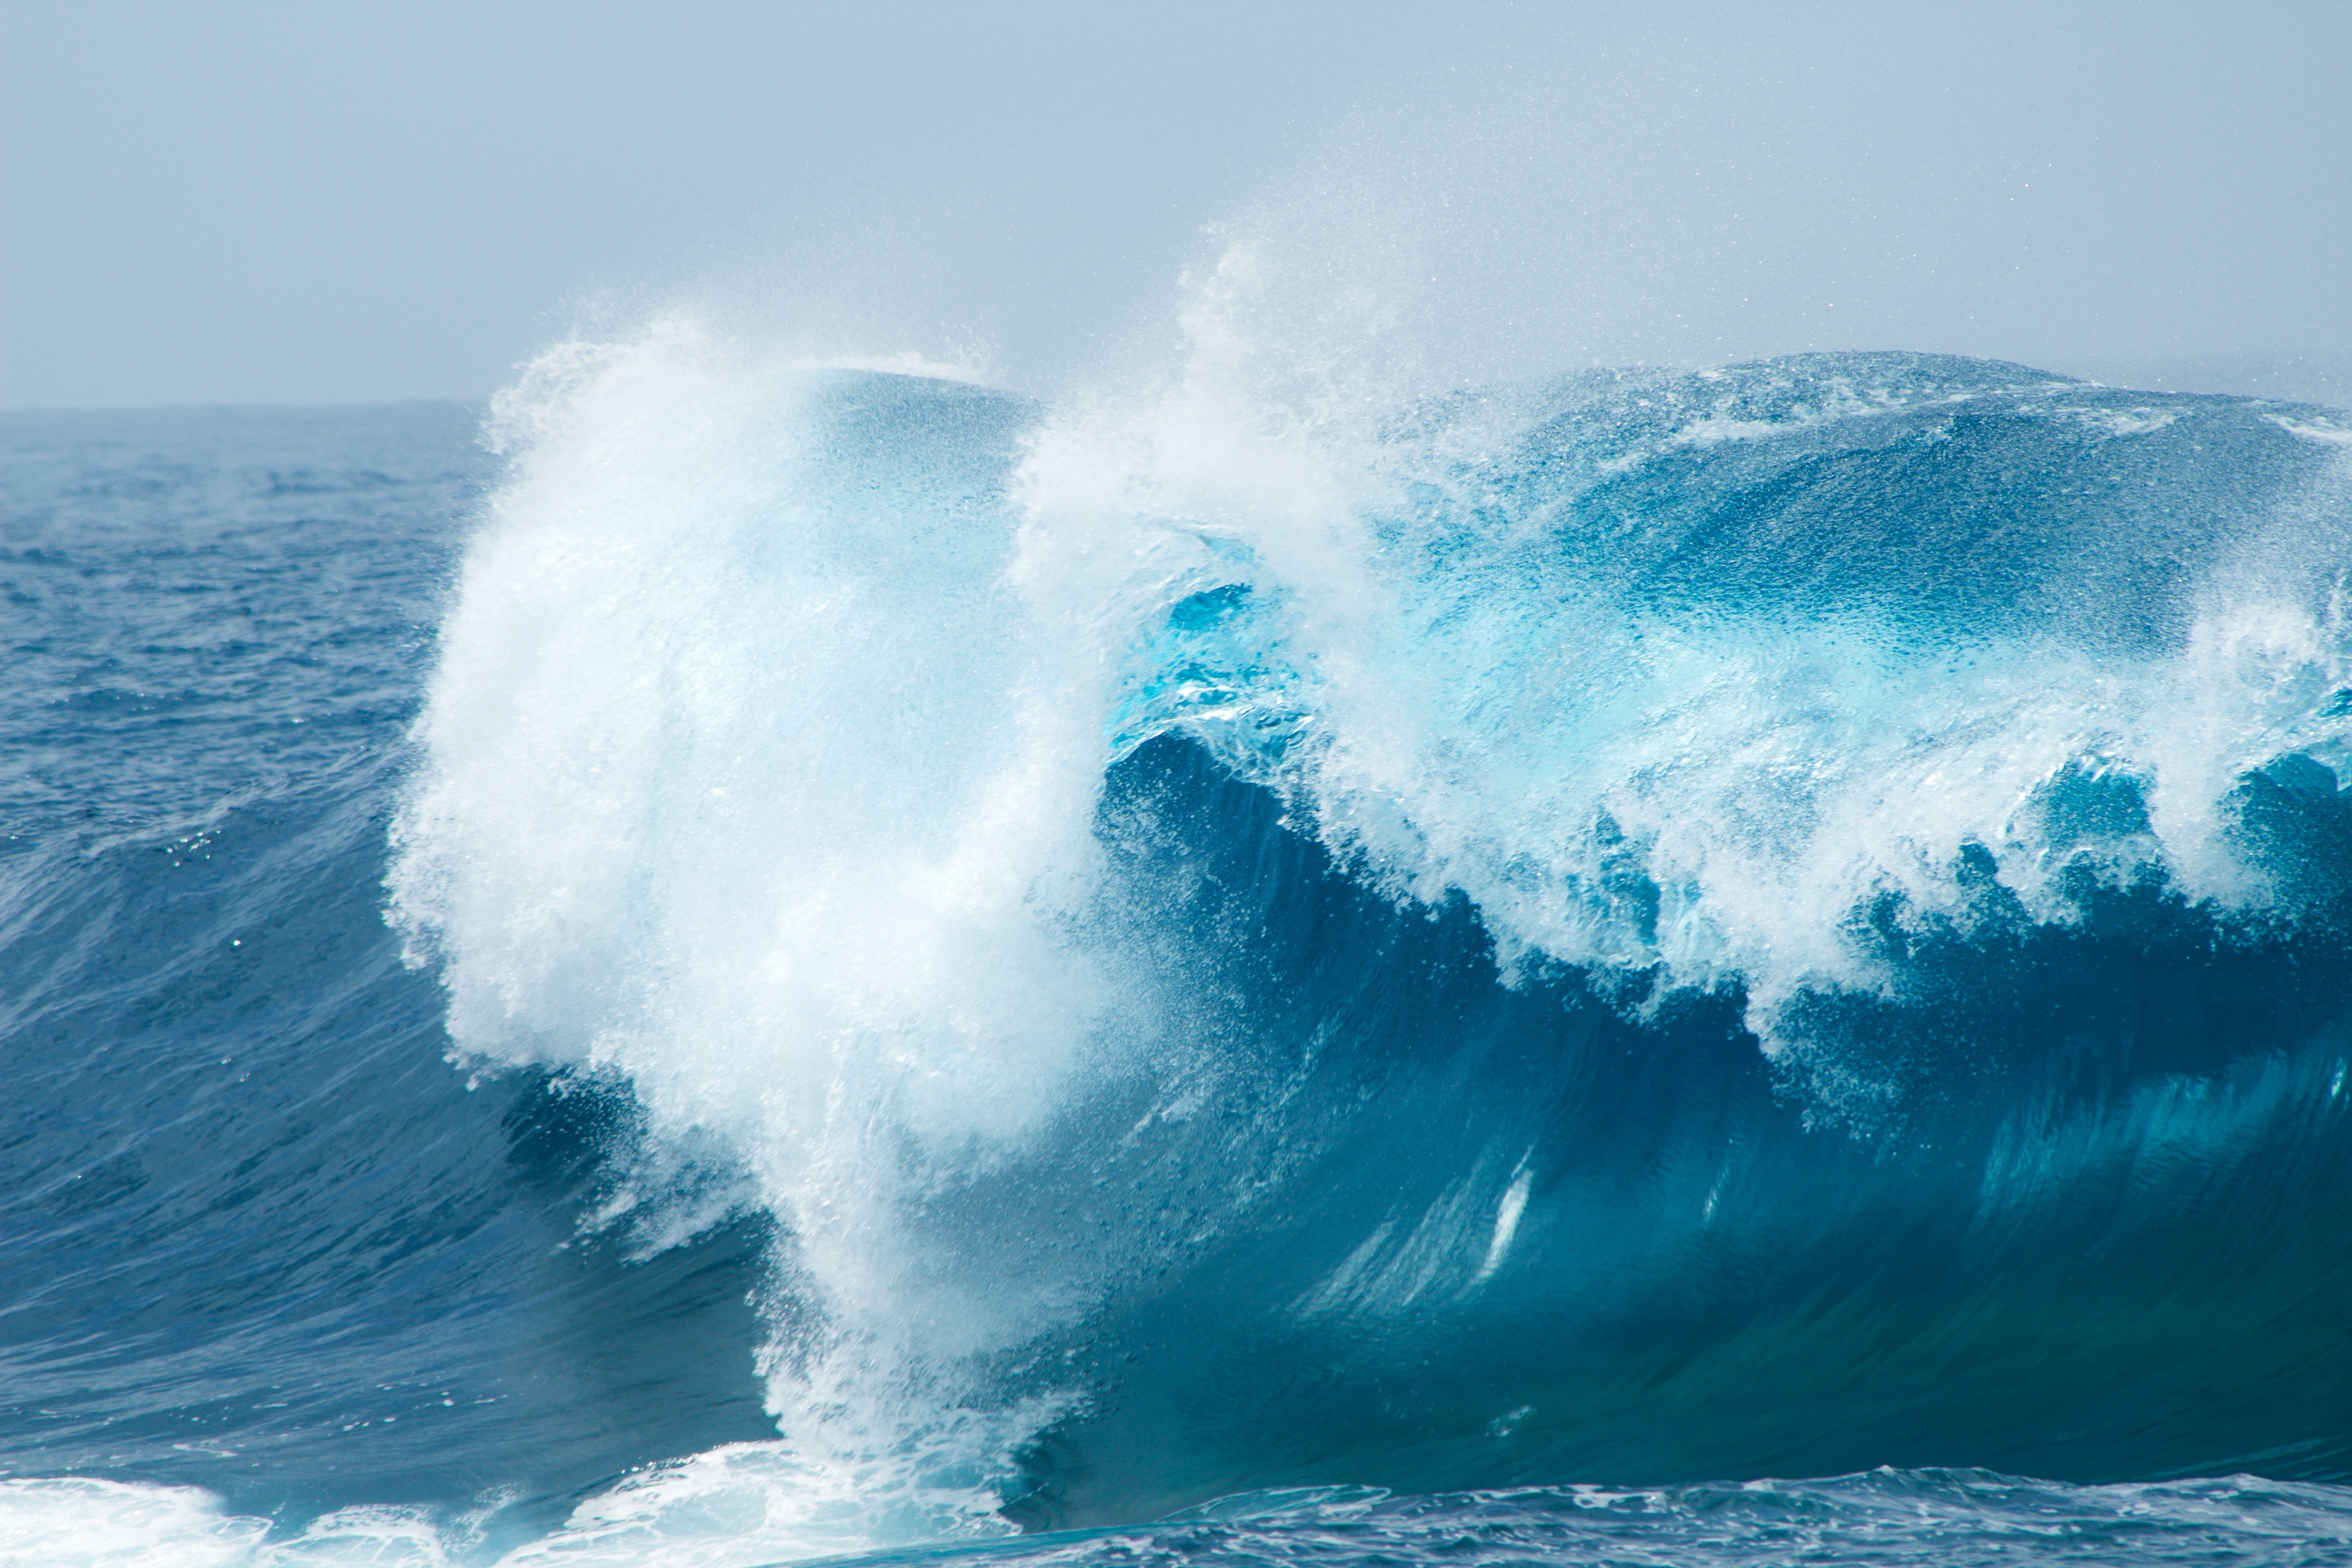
75 1520
733 1507
774 799
2319 428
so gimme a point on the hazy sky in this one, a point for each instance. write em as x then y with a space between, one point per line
329 202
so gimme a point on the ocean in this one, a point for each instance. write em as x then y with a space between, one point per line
728 963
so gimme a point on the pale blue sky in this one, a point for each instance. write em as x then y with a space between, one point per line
338 202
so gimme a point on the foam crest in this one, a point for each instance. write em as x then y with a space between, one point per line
1676 673
747 777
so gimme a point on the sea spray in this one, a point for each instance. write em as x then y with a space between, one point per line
747 779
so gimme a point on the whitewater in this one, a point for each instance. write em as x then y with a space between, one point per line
753 958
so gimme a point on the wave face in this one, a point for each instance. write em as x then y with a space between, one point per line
1032 965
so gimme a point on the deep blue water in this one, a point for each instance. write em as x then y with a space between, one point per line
808 963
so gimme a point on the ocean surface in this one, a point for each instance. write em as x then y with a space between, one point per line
725 963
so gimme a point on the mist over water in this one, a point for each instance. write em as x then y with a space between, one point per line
212 217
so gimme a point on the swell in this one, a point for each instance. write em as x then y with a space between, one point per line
269 1244
257 1236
